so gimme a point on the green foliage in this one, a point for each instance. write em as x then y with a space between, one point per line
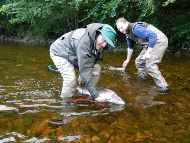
181 35
43 19
53 17
168 2
174 21
180 24
109 10
39 18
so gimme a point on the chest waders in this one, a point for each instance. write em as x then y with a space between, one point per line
150 66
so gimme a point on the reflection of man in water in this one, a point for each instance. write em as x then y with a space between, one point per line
81 49
154 42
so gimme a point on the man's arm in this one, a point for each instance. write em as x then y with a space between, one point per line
129 54
147 55
142 32
86 64
130 44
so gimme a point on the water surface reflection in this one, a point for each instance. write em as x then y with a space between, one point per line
31 110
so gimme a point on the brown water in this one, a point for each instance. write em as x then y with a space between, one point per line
31 111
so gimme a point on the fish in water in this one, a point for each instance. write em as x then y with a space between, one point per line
117 68
104 93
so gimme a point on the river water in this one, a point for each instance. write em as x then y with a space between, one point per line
31 111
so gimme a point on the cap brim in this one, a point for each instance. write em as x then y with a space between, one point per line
107 39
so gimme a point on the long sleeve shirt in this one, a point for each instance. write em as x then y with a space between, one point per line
144 33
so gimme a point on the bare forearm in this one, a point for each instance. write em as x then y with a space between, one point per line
129 54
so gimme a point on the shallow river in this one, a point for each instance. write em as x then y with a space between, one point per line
31 111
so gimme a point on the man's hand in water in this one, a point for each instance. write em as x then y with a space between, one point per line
125 63
129 54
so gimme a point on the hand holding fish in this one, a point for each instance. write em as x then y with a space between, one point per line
100 99
105 95
79 80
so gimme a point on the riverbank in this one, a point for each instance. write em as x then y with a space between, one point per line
120 46
26 40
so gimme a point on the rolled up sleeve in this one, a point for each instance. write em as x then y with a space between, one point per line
142 32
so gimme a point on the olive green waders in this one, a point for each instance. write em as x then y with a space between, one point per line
150 66
68 72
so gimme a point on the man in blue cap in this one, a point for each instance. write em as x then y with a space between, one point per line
82 49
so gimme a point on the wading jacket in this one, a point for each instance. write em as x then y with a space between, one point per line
78 47
143 34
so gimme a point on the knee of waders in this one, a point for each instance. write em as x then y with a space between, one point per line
71 80
151 69
96 69
140 62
